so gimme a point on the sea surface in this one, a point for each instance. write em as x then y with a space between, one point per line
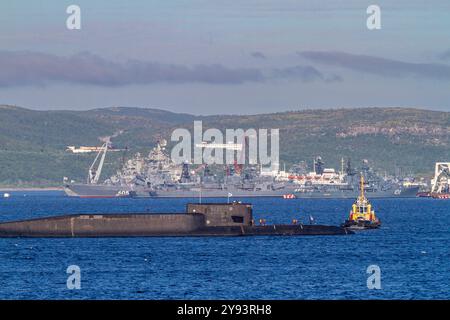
412 250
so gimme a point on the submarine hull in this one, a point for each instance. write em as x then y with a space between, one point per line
150 225
218 219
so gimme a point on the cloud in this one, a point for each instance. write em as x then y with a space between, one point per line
378 66
258 55
31 68
304 73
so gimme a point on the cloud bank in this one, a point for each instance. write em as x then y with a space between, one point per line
31 68
304 73
379 66
37 69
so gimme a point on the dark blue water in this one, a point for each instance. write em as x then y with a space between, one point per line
411 248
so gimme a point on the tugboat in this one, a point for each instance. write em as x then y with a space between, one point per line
362 216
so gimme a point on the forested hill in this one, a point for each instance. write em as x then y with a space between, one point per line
33 143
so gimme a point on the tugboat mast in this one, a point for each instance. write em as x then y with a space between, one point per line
361 188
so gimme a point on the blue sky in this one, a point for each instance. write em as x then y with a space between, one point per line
209 57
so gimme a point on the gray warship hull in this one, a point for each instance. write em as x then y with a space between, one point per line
105 191
98 191
404 192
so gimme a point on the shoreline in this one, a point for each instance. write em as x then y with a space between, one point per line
3 189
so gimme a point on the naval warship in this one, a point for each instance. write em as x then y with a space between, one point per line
155 175
327 183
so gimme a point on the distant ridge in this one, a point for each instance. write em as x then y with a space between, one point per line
32 143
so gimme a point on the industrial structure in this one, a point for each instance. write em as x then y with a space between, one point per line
440 184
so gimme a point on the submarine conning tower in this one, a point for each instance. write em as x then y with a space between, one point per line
210 219
194 221
223 214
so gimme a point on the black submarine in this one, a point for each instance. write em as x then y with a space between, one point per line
211 219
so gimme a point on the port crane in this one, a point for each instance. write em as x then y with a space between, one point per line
441 181
95 172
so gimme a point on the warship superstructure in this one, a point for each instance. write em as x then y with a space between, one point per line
156 175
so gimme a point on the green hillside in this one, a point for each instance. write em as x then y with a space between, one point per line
33 143
393 139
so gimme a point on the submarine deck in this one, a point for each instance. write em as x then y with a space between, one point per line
151 225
